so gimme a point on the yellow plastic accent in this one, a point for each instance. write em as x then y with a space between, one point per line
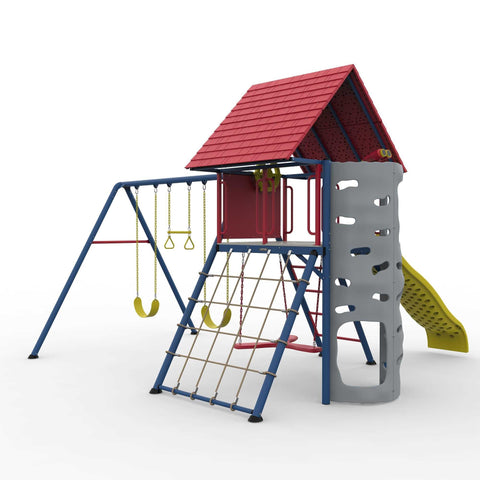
137 303
424 305
207 319
169 245
189 245
275 175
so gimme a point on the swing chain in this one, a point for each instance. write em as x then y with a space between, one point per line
136 238
204 188
155 189
169 189
283 285
242 276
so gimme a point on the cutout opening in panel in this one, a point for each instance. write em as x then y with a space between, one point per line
351 359
343 282
354 252
381 297
382 201
383 232
343 184
344 308
380 268
345 220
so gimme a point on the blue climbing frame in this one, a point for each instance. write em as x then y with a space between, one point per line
127 186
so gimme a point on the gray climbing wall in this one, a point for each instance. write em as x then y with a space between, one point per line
366 273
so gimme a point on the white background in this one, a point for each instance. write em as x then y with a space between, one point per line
93 92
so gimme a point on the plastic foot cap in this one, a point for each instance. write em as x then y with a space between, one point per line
193 332
373 362
32 356
155 391
254 419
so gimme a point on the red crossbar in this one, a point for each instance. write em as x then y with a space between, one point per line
314 291
102 242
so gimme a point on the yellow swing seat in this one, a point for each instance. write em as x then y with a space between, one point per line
137 303
207 319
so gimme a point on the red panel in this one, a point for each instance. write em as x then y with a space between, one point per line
243 209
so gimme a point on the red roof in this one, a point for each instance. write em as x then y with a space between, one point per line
299 115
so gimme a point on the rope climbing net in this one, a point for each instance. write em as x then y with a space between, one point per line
210 361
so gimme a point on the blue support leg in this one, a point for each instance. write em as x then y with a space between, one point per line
364 342
73 274
162 263
280 348
185 319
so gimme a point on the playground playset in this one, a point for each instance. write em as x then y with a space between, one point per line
320 131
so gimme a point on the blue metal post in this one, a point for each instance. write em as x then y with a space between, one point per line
162 263
365 111
280 348
326 201
185 319
364 342
74 272
317 138
344 133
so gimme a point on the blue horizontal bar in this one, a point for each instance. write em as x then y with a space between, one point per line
365 111
213 401
264 248
307 161
167 181
300 176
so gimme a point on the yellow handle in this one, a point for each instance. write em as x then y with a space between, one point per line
169 243
189 245
207 319
137 303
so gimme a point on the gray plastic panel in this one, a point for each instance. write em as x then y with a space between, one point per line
372 240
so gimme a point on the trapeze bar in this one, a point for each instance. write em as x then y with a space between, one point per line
211 401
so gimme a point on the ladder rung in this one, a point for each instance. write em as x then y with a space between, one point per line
314 291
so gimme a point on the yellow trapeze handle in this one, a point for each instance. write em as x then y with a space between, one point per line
227 315
169 245
137 303
189 245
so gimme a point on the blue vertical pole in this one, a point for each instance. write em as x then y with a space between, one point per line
162 263
185 319
74 272
326 201
280 348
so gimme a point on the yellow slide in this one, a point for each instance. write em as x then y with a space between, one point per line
424 305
